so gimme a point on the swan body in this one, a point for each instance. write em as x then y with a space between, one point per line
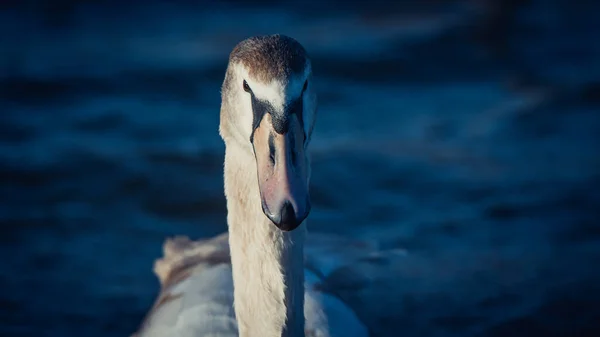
266 277
197 289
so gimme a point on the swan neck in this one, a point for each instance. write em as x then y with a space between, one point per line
267 263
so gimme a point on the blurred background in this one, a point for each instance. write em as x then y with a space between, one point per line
464 132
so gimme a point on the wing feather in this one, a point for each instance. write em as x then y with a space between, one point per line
196 297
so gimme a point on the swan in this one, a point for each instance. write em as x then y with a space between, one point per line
266 277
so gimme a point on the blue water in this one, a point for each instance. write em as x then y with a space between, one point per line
484 169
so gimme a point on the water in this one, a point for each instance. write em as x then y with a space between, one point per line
109 144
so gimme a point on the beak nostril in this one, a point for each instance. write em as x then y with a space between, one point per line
293 156
271 149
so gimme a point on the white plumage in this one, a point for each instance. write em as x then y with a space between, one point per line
267 277
197 289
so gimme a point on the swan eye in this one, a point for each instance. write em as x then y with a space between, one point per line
305 85
246 87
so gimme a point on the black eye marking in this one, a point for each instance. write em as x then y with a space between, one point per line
280 121
271 149
246 87
259 110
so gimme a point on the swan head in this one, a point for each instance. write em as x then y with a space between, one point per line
268 110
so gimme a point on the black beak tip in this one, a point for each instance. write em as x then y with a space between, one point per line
286 219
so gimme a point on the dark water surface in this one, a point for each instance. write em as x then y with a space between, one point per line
109 144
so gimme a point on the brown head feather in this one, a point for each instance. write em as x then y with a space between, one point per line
270 57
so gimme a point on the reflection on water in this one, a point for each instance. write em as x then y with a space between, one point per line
481 164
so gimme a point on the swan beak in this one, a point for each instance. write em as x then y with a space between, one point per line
282 173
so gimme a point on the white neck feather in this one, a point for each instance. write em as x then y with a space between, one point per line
268 264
